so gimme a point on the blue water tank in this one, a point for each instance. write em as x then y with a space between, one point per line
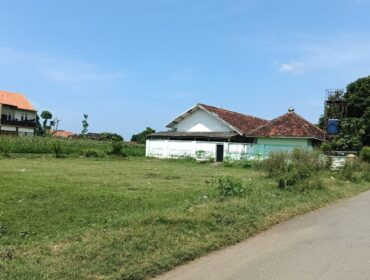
332 127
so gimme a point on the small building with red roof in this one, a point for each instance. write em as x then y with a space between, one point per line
206 131
18 116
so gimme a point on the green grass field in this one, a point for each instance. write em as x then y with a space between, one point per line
80 218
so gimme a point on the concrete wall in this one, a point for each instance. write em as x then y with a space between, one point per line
179 148
201 121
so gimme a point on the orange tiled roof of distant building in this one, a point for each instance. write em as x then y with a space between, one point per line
63 133
15 99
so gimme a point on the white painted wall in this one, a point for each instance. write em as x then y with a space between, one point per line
8 128
17 114
201 121
181 148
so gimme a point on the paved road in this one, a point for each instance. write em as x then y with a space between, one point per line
330 243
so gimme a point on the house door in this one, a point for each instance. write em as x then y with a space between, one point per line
219 153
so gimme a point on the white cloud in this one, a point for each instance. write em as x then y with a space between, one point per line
291 67
343 52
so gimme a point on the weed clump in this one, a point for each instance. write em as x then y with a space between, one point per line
365 154
117 149
93 153
228 186
295 168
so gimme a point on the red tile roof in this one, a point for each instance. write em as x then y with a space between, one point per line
241 122
16 100
289 125
62 133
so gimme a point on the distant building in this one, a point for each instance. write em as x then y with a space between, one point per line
207 131
62 133
18 117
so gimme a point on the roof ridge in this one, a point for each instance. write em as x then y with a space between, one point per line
301 120
249 116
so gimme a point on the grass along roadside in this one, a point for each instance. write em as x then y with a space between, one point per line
132 219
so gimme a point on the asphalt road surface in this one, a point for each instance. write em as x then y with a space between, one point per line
329 243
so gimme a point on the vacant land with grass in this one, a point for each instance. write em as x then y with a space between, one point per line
104 218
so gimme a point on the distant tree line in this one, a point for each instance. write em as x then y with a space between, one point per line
141 137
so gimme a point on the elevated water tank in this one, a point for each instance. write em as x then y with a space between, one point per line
332 127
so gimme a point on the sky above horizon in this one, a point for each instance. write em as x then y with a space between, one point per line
133 64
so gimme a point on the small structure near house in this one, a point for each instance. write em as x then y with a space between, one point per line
205 131
18 117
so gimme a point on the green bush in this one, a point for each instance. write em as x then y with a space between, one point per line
94 153
313 183
117 148
312 160
366 174
276 164
290 169
57 148
228 186
354 170
293 176
365 154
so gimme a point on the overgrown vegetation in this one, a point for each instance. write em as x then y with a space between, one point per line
58 146
141 137
133 219
299 169
228 186
355 126
365 154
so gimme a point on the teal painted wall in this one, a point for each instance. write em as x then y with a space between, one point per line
264 146
283 141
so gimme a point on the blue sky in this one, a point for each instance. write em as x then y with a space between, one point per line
139 63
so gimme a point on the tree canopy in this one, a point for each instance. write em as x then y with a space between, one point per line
355 126
141 137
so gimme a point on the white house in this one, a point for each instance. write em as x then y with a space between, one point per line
18 117
205 131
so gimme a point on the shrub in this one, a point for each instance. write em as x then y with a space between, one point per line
291 169
354 170
313 183
228 162
293 176
366 174
276 164
117 148
57 148
228 186
93 153
308 159
365 154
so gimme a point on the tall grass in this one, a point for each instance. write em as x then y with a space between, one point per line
46 145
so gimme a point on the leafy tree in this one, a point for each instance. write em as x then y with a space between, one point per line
358 100
85 125
46 115
355 127
108 136
39 131
141 137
